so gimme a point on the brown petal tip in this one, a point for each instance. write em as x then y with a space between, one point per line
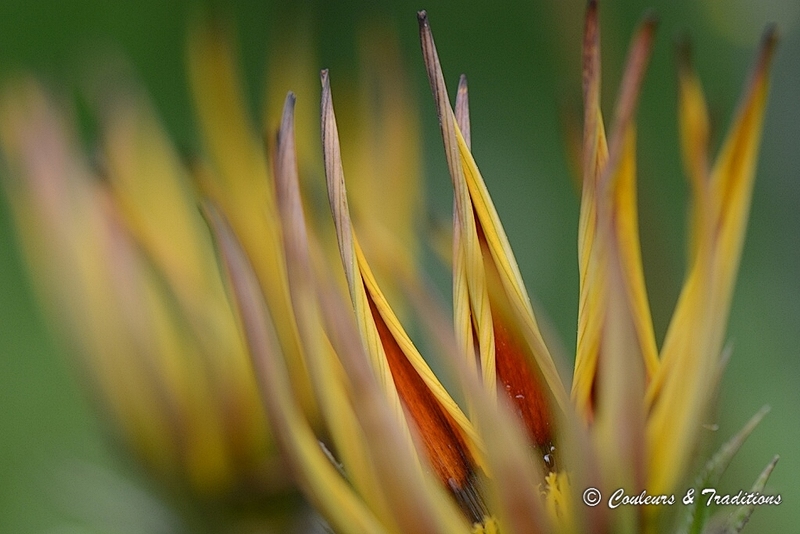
287 117
683 53
650 21
769 40
591 52
766 51
462 110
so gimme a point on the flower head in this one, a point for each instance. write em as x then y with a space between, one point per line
516 455
375 439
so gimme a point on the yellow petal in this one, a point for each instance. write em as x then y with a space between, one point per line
618 428
153 192
445 433
679 394
110 303
330 384
595 156
471 299
321 481
238 181
347 248
694 134
609 200
495 303
384 173
461 292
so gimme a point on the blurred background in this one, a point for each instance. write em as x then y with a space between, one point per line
522 59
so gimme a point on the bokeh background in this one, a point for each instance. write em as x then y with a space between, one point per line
523 63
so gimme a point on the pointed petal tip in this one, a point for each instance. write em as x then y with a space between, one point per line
771 34
591 14
759 415
287 118
325 97
646 31
288 108
591 19
769 40
762 479
650 20
422 17
462 110
591 50
683 52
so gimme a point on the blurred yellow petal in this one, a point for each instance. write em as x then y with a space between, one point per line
328 378
694 135
300 446
152 190
238 181
386 193
136 346
679 395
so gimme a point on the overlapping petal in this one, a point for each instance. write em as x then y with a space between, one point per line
492 309
444 431
237 178
609 219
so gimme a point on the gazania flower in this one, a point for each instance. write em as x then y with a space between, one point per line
376 440
520 453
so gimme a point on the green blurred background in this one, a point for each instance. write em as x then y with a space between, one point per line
523 63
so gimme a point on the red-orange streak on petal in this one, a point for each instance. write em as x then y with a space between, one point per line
522 386
445 447
521 383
